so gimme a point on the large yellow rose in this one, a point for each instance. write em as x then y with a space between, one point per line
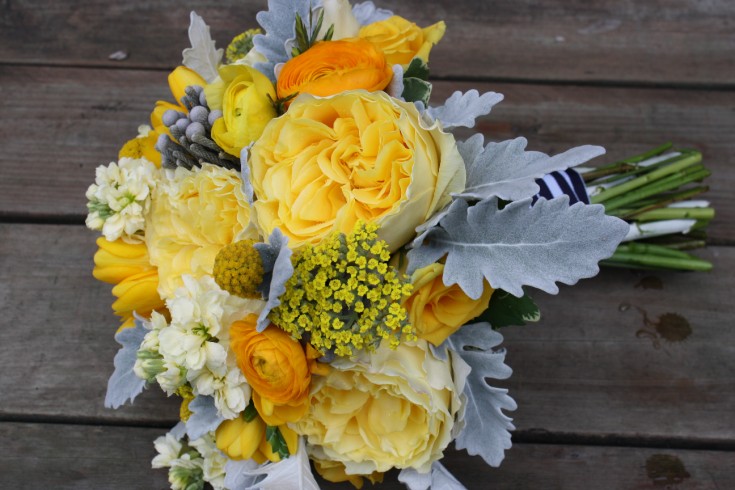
331 67
328 163
436 311
244 95
402 40
192 216
276 368
393 408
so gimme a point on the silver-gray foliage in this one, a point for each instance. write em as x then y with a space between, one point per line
124 385
277 267
520 245
237 474
367 13
279 25
461 109
439 478
508 171
293 473
487 429
202 56
204 417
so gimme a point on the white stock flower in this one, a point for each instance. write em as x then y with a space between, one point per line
168 449
214 460
120 197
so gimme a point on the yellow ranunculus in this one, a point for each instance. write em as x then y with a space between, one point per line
128 266
402 40
242 94
192 216
436 311
178 80
276 368
331 67
390 409
328 163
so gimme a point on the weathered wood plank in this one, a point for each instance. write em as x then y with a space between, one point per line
660 41
584 370
89 457
61 123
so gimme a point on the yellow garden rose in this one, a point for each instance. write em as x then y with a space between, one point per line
328 163
192 216
128 266
436 311
242 94
276 368
331 67
393 408
402 40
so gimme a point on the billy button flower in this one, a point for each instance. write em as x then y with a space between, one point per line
238 269
344 297
332 67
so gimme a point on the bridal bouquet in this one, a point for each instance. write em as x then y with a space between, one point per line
304 253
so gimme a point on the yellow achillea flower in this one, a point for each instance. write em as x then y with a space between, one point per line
344 296
241 45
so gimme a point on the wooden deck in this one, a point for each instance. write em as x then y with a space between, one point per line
602 404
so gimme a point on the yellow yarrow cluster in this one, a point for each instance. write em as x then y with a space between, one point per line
238 269
344 296
241 45
187 395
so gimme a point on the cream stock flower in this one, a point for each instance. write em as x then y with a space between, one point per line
192 216
328 163
392 408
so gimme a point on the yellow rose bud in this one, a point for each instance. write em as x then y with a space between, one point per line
242 94
402 40
115 261
328 163
331 67
276 368
436 311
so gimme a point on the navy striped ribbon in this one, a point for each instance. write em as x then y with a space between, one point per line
557 184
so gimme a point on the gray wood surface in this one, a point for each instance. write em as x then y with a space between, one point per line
601 41
87 114
61 456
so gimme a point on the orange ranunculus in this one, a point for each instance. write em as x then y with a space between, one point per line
331 67
276 368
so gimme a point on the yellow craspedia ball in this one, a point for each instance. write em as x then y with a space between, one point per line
238 269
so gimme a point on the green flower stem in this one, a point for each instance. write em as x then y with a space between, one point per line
670 182
650 249
676 213
658 202
638 170
621 259
686 160
688 245
624 165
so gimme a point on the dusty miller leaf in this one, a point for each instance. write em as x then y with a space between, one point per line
461 109
519 245
237 475
439 478
278 268
486 432
366 13
204 417
509 172
279 25
202 56
124 385
293 472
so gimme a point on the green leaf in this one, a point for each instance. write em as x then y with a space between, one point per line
417 69
415 89
250 412
278 443
505 310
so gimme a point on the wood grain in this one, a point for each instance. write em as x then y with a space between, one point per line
63 456
61 123
658 42
583 370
